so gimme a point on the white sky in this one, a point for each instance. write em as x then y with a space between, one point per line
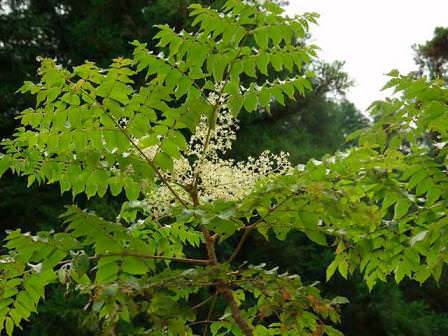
372 36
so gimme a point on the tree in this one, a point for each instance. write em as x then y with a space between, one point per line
140 144
71 34
124 130
432 57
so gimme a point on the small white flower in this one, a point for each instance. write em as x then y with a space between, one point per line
219 178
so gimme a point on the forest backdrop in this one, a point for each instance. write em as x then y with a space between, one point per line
73 31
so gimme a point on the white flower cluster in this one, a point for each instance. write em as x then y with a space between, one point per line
204 165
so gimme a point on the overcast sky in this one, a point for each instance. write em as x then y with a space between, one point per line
372 36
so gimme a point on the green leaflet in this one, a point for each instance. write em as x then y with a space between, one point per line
401 208
250 101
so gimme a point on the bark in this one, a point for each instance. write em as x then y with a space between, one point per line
236 313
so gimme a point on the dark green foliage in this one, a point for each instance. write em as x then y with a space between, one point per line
62 315
432 56
399 317
307 129
35 208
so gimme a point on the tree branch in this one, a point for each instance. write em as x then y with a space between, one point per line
155 257
246 233
210 245
236 313
248 229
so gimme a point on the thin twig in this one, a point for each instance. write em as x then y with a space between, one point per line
210 312
201 322
246 233
200 304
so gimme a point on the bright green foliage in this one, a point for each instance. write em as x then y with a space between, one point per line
405 172
398 173
90 131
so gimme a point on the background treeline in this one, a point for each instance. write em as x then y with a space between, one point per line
73 31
